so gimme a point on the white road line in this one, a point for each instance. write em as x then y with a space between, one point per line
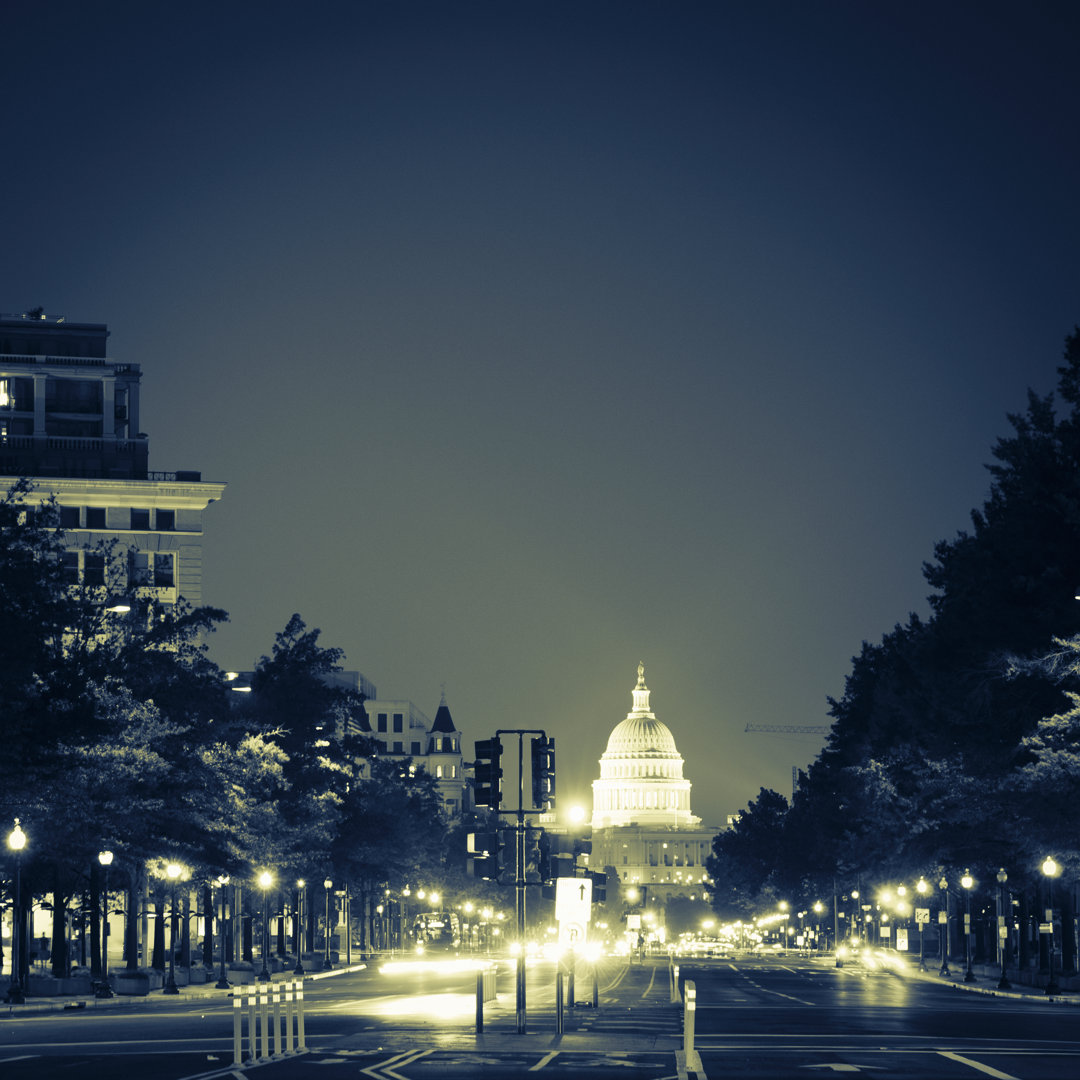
976 1065
543 1061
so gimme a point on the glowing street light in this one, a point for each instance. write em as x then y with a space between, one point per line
16 841
266 879
327 885
105 990
301 885
967 881
172 872
943 885
1051 870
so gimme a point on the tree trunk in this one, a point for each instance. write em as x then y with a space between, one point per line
60 966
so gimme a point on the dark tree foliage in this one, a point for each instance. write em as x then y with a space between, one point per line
920 771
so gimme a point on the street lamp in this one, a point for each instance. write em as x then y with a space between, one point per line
943 885
222 881
327 885
784 908
105 990
172 872
967 881
1051 869
266 879
16 841
300 886
819 908
1004 909
922 888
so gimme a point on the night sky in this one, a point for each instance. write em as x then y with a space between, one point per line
537 339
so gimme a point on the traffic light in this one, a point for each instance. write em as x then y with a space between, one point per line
487 773
543 773
482 859
533 856
599 886
582 846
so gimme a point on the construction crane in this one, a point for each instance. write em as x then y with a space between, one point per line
790 729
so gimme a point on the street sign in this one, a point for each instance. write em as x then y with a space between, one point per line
922 915
1046 928
942 917
573 900
633 921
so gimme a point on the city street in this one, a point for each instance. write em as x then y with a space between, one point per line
762 1016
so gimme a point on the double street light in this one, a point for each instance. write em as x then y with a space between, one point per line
222 882
943 885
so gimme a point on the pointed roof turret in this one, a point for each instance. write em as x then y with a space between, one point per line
444 722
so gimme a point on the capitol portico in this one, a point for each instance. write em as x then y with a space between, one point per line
642 825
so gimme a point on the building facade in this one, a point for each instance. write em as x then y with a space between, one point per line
69 422
642 824
434 746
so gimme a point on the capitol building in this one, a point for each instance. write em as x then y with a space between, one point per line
642 826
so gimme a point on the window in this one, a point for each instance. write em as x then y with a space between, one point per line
166 520
95 517
453 772
397 722
138 568
399 748
438 772
94 568
140 520
164 577
415 751
71 568
381 723
69 517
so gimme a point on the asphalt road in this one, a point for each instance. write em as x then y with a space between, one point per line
767 1017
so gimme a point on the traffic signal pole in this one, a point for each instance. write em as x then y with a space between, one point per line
489 793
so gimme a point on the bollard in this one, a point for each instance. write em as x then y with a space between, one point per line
261 1004
690 993
479 1000
595 989
558 999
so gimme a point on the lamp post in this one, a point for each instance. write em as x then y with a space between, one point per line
967 881
819 908
922 888
266 879
223 982
16 841
943 885
300 886
1051 869
105 990
327 885
172 872
784 909
1004 908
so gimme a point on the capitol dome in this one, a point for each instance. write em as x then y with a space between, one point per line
641 772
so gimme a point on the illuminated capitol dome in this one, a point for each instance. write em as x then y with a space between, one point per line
641 773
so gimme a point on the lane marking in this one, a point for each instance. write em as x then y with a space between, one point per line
976 1065
543 1061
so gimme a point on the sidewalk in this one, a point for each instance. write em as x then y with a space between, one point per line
198 992
986 982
